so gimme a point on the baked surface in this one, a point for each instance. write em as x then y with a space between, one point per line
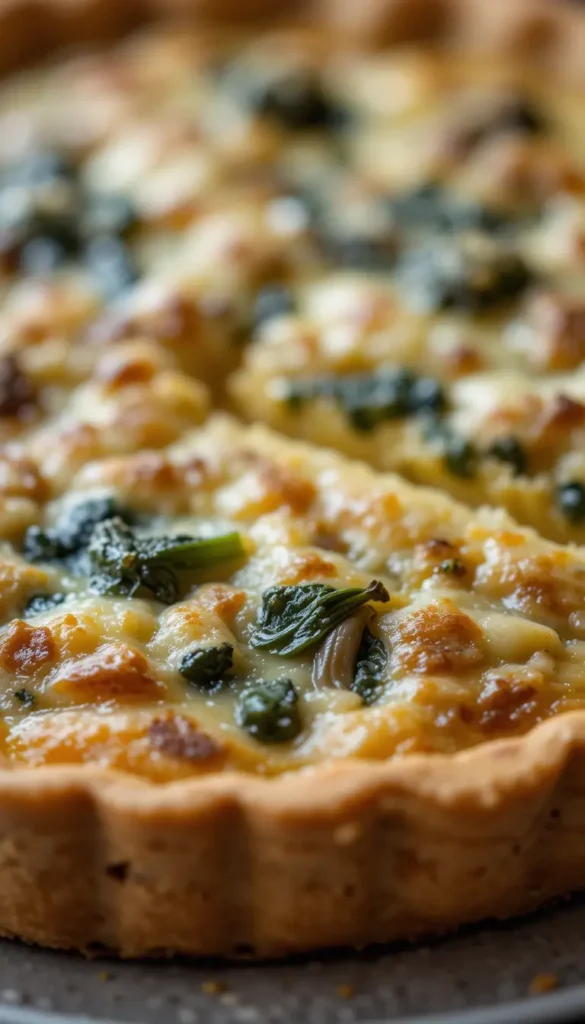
258 698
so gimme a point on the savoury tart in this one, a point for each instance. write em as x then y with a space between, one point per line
258 698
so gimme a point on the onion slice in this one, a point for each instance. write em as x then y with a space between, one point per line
334 661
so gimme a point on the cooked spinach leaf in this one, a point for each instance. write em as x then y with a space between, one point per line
293 619
125 564
26 698
269 711
453 567
570 498
460 457
294 98
509 449
72 530
204 667
461 274
368 399
370 668
42 545
39 603
430 207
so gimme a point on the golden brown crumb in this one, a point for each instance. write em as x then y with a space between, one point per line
542 983
104 976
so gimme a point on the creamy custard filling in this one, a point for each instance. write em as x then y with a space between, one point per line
325 613
383 255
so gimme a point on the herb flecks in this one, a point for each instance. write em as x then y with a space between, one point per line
293 619
125 564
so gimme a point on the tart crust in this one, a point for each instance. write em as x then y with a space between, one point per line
341 855
234 866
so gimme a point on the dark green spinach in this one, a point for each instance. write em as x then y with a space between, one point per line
269 711
368 399
205 667
293 619
125 564
370 669
72 531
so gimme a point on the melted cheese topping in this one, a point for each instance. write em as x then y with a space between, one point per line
483 628
271 252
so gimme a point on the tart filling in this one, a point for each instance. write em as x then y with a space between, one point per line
389 247
241 601
256 698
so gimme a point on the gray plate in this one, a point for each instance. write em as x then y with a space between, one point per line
489 968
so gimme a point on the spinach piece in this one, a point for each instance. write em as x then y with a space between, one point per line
571 500
509 450
293 98
57 220
293 619
451 273
110 263
432 208
453 567
370 668
204 667
108 214
72 531
39 603
41 545
114 558
269 711
359 250
368 399
514 113
76 527
41 167
124 564
460 457
26 698
273 300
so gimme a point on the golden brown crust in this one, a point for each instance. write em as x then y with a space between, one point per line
222 866
539 31
233 865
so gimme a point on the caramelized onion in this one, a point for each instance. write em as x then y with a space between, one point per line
334 661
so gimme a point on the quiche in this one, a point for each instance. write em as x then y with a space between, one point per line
292 492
